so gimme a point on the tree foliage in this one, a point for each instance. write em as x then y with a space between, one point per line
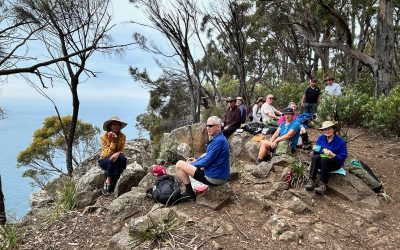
44 156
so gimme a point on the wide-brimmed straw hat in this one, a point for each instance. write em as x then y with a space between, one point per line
230 99
106 125
239 98
328 124
260 99
329 77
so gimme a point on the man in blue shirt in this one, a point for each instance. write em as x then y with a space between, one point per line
212 168
288 131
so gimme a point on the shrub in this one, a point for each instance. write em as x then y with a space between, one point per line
288 92
8 237
383 113
217 110
347 108
64 198
298 177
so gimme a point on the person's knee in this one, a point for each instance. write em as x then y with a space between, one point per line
180 164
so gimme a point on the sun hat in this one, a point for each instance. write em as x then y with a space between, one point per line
106 125
328 124
288 111
260 99
158 170
329 77
230 99
239 98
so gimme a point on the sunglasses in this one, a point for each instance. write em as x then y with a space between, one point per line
210 125
272 98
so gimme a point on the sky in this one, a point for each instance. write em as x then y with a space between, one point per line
113 80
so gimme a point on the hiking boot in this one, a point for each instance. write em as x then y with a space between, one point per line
321 189
188 196
307 146
106 188
310 185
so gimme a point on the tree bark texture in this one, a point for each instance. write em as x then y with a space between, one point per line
384 48
2 207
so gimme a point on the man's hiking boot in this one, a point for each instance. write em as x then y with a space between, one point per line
310 185
321 189
307 146
188 196
106 188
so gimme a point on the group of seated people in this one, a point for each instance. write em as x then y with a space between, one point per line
213 167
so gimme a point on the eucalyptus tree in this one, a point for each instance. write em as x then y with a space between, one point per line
374 50
176 21
228 21
67 28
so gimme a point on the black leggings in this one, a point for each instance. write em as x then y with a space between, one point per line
326 165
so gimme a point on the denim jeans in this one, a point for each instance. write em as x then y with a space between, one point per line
310 108
114 169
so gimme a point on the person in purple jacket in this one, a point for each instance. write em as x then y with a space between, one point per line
212 168
330 152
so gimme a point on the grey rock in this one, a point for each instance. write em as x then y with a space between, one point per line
40 199
257 199
288 236
262 171
315 238
216 197
353 188
121 241
282 160
370 215
249 167
298 206
84 167
184 150
88 188
129 178
127 204
270 194
278 225
237 143
279 186
147 181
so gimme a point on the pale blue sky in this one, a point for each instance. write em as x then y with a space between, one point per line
114 80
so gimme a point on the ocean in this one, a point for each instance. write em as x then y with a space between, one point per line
16 132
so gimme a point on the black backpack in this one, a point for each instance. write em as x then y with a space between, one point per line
165 190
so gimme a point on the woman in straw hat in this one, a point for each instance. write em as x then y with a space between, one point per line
112 159
330 152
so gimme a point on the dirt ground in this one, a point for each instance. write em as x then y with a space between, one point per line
332 216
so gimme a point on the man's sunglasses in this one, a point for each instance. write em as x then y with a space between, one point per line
210 126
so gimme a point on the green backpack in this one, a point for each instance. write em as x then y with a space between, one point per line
361 170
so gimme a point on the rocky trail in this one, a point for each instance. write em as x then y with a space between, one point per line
256 211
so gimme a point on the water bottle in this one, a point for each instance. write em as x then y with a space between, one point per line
288 179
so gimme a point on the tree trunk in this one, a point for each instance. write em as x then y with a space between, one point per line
2 207
384 49
74 120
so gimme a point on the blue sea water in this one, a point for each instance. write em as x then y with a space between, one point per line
16 132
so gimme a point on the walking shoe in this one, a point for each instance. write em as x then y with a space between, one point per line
307 146
188 196
106 188
310 185
321 189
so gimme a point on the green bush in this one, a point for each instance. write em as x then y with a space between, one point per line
383 113
288 92
217 110
347 108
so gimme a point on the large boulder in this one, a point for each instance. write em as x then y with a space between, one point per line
237 142
195 136
216 197
88 187
138 150
129 178
127 204
40 199
353 188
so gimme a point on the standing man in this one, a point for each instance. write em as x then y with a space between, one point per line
268 112
213 167
232 118
332 88
242 108
310 97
